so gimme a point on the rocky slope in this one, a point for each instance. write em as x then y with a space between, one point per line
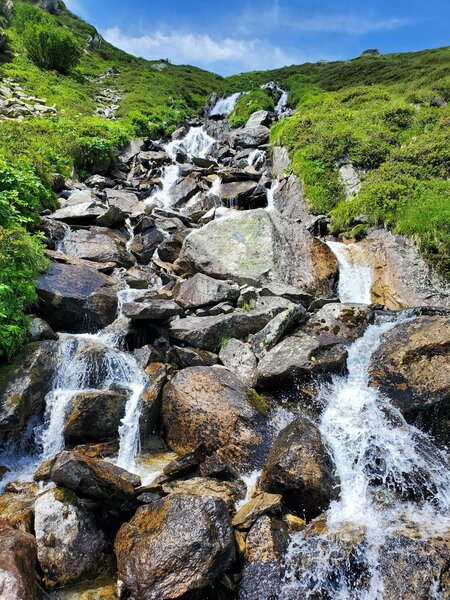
204 415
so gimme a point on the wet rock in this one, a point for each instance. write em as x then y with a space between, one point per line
289 199
276 329
69 544
259 248
258 118
261 504
141 278
76 298
40 331
94 416
412 368
144 244
339 323
263 572
174 546
151 399
131 149
228 492
169 250
99 182
193 357
152 158
239 358
17 564
185 189
201 290
90 213
153 309
299 468
24 384
300 356
210 407
251 137
98 244
124 200
210 333
243 195
93 478
401 277
17 509
281 161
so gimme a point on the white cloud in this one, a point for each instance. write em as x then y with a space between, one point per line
273 16
226 54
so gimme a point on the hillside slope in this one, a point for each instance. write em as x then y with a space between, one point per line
385 121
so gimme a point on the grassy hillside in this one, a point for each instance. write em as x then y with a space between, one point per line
389 116
156 96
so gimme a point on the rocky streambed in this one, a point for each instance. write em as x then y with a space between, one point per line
211 405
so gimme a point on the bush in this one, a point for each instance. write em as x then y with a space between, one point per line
52 48
248 104
21 261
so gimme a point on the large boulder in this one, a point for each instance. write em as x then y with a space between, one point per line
77 298
401 277
300 357
124 200
201 290
257 247
70 546
94 416
243 195
210 333
92 212
412 368
17 564
98 244
174 546
251 137
300 468
210 407
239 358
93 478
17 509
24 383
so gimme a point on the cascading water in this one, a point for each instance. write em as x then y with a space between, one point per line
355 276
282 103
225 106
196 144
271 195
381 462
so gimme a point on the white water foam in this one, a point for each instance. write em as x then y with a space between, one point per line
382 462
355 276
225 106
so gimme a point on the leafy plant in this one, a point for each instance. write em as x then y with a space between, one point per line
52 48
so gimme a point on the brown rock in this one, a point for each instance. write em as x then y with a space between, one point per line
94 416
17 564
210 407
299 467
18 510
93 478
174 546
201 486
261 504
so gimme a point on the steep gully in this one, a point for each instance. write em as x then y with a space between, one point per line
367 437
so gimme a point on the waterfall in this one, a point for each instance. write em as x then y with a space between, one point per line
257 159
271 194
381 462
355 276
225 106
196 143
282 103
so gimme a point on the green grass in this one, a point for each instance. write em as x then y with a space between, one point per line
389 116
247 104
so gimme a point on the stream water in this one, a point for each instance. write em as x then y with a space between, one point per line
391 474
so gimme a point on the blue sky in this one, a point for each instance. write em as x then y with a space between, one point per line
240 35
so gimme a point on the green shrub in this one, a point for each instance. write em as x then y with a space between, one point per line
52 48
21 261
247 104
